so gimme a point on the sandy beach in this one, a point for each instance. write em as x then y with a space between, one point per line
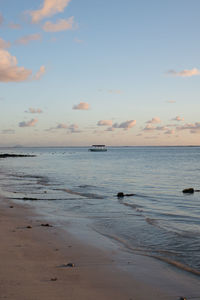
35 258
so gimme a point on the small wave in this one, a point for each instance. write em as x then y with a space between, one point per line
86 195
151 221
84 186
178 265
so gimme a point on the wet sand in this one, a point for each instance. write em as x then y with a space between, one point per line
34 262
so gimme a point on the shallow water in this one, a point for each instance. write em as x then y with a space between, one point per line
159 220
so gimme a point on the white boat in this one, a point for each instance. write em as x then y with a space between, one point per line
98 148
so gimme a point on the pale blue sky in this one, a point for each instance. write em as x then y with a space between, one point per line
128 63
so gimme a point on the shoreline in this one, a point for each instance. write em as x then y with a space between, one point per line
34 264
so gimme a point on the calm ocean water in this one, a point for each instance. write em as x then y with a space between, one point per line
159 221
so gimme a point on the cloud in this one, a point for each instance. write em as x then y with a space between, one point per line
171 101
40 73
105 123
49 8
73 128
184 73
194 128
28 38
8 131
9 71
76 40
34 111
150 127
61 25
4 44
14 26
114 91
125 125
82 106
30 123
110 129
1 19
61 126
154 120
170 131
178 118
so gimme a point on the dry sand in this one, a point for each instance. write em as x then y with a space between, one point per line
32 268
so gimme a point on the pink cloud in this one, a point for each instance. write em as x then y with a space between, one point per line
9 71
30 123
73 128
154 120
40 73
4 44
49 8
14 26
193 127
61 25
105 123
184 73
34 111
28 38
178 118
1 19
170 131
82 106
125 125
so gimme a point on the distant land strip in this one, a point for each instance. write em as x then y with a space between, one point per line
5 155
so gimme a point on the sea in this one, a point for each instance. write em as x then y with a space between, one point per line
158 220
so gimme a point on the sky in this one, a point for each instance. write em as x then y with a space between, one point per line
83 72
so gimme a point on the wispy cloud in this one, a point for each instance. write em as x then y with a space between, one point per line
73 128
170 132
40 73
48 9
184 73
34 110
28 38
60 25
1 19
154 120
30 123
78 41
4 44
8 131
105 123
178 118
193 127
115 92
14 26
82 106
171 101
125 125
150 127
61 126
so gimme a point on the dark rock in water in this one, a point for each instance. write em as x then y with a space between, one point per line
182 298
31 199
28 226
46 225
120 195
188 191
